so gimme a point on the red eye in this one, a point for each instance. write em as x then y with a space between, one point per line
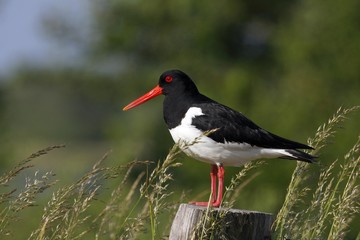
168 79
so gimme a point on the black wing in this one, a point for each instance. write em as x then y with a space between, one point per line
235 127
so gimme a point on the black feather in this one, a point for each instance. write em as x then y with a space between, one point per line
300 156
235 127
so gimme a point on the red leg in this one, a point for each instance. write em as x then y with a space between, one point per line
221 174
213 175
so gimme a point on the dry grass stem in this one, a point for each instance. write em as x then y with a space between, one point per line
312 221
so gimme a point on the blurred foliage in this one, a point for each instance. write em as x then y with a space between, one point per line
287 65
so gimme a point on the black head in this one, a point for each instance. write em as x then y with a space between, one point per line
173 82
176 82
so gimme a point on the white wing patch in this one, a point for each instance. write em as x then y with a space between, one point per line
186 132
190 114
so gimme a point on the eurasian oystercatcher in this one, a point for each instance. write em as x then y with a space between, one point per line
235 140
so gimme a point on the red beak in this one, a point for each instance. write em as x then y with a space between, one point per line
153 93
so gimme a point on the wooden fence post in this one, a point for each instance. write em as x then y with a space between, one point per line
221 224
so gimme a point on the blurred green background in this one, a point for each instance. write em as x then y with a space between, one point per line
288 65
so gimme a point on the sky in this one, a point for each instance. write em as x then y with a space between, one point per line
22 36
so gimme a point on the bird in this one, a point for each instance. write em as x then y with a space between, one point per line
214 133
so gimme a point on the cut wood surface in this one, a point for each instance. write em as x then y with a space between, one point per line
196 222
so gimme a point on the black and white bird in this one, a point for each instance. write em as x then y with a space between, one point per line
234 141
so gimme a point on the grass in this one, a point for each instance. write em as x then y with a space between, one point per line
331 204
138 209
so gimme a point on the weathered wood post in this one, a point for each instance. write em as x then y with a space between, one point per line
221 224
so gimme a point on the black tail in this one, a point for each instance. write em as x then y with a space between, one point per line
300 156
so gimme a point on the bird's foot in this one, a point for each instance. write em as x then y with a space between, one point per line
206 204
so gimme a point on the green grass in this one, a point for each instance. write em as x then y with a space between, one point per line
144 208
